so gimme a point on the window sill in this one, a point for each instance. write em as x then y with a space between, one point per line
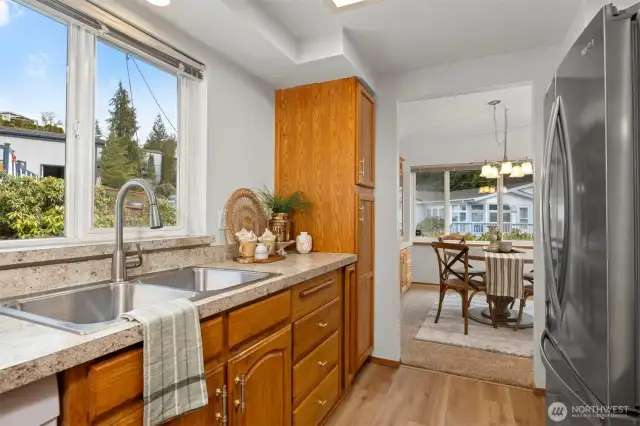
66 250
516 243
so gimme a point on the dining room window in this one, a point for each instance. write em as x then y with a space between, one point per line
457 200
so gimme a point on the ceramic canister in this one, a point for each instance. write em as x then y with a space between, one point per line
304 243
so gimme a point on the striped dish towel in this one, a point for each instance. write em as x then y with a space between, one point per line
505 274
174 381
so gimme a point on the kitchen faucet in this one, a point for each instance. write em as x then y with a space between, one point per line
120 261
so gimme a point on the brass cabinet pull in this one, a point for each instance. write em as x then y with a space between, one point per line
222 418
361 162
323 324
322 402
316 289
322 363
241 402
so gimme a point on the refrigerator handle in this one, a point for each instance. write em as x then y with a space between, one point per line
544 336
552 286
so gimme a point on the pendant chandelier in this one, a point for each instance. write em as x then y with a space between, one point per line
515 170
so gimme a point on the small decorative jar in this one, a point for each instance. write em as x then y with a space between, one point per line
304 243
262 251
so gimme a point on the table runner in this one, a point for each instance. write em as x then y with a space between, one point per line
505 274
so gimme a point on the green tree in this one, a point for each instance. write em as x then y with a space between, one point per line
123 125
115 167
149 170
98 132
157 136
160 140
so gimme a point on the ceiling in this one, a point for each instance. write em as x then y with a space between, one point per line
464 124
287 42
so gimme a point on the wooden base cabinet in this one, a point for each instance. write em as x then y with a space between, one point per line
272 362
406 273
260 383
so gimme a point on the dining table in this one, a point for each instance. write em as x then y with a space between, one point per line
505 316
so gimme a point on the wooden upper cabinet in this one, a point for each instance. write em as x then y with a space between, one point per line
366 117
259 383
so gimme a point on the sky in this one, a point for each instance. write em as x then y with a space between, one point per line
33 72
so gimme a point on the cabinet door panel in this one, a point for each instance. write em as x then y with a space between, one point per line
366 111
266 371
365 227
350 284
364 319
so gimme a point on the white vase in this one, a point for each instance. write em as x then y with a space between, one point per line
304 242
262 251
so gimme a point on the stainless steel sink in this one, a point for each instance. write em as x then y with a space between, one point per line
89 308
92 307
205 281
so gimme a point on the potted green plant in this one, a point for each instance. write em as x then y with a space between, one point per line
280 207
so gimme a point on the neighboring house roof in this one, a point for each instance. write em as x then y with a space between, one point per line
16 115
470 195
18 132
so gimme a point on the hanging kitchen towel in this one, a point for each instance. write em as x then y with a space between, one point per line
505 274
174 381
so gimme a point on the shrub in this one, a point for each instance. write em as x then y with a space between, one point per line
431 226
34 208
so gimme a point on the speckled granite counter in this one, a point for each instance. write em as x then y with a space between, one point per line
29 351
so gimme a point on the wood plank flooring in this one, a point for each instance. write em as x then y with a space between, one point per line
385 396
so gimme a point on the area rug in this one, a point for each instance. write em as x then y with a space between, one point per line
450 329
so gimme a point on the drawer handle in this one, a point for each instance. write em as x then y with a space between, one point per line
222 418
361 171
322 363
314 290
241 402
322 402
323 324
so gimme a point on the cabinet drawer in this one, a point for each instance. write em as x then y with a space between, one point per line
314 367
114 381
311 295
319 402
258 317
314 328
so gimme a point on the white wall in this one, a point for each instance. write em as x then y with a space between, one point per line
240 116
387 239
36 152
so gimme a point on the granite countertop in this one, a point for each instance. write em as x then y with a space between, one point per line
29 352
405 244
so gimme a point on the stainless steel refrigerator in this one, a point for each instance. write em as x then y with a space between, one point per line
591 226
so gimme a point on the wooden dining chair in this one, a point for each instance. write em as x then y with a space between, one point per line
452 280
528 292
476 273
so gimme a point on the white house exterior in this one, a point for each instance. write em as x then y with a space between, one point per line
473 213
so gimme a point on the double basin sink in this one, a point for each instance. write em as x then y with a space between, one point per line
92 307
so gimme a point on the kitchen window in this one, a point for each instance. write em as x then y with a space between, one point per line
457 200
110 103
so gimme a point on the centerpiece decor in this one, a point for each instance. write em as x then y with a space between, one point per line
280 207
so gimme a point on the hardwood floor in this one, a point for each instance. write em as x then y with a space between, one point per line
385 396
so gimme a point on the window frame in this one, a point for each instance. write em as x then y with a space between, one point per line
79 128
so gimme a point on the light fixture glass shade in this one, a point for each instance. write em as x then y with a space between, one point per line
492 189
342 3
482 190
506 168
160 2
527 168
516 172
486 171
493 173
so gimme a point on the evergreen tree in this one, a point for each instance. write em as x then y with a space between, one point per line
169 167
157 135
115 167
98 132
149 170
123 125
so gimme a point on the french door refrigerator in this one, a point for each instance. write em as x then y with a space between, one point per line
591 227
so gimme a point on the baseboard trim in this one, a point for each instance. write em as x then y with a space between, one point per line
423 283
384 361
538 391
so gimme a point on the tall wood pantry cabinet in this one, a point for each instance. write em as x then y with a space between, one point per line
325 147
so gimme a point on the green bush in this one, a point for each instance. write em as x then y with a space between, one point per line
431 226
34 208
